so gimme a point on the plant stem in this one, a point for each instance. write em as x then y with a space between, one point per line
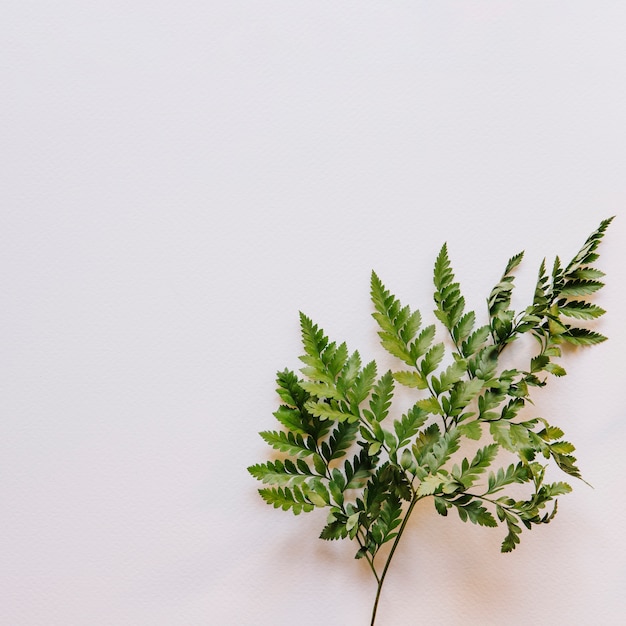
381 580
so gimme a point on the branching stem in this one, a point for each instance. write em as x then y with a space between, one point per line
381 580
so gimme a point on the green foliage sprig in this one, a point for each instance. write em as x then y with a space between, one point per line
341 407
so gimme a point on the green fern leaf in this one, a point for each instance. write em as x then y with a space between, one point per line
342 437
441 450
411 379
586 254
514 530
475 513
431 360
359 470
292 419
582 337
363 384
334 530
381 397
451 375
463 393
315 342
398 325
587 273
500 297
349 374
328 411
289 388
287 499
321 390
469 471
289 443
475 341
277 473
463 329
409 424
581 310
580 288
450 303
512 474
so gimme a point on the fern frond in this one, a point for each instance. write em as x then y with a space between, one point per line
289 443
278 473
287 499
450 303
409 424
381 398
398 325
341 438
587 254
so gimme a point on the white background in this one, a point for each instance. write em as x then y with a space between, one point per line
178 180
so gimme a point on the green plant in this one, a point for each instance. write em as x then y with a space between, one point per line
341 406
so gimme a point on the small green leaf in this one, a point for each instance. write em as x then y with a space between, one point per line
321 390
363 383
471 430
432 359
475 341
327 411
286 499
463 329
430 405
581 310
452 375
582 337
381 397
581 287
319 464
290 443
410 379
463 393
422 343
513 474
430 484
475 513
374 448
410 423
470 471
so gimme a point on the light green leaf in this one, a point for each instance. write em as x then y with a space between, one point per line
433 357
409 424
430 484
430 405
286 499
410 379
363 383
471 430
381 397
321 390
463 393
290 443
326 411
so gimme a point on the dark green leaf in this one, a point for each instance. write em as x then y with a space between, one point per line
363 383
290 443
286 499
582 337
342 437
381 397
409 424
581 310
